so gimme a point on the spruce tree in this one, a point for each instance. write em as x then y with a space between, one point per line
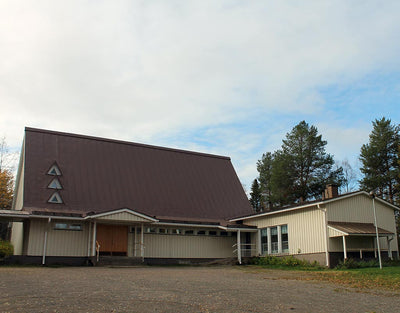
380 160
255 196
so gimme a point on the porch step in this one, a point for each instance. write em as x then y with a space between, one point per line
119 261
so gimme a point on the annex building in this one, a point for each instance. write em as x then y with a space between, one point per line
81 199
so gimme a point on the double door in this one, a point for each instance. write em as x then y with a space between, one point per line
113 239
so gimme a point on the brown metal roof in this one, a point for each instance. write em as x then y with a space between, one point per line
358 228
101 174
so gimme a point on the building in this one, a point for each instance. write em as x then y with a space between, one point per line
335 228
80 199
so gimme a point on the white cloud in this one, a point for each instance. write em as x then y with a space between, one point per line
150 70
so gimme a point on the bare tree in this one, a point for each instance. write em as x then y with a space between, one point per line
350 176
8 159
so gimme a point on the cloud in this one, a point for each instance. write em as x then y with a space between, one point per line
237 75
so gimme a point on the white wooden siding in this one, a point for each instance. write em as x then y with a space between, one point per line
176 246
305 228
123 216
358 209
59 242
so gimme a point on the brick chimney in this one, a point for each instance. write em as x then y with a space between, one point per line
331 191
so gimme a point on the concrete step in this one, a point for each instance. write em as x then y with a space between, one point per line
119 261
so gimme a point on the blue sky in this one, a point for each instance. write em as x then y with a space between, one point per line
223 77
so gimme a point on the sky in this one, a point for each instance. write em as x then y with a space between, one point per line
222 77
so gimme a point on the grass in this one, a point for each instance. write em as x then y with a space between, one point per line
387 278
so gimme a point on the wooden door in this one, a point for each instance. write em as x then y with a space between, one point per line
113 239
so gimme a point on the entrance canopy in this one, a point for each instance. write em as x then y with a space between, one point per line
339 229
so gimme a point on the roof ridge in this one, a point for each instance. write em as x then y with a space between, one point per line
52 132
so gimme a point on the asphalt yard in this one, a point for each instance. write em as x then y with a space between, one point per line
179 289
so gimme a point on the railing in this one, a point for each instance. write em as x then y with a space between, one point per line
140 249
97 251
246 249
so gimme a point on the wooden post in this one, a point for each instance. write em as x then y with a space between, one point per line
239 252
344 248
258 247
94 239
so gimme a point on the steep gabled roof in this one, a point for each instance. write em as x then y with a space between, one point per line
99 175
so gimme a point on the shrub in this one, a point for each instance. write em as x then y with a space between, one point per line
6 249
288 261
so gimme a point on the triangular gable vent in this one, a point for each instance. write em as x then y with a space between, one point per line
55 184
54 170
55 198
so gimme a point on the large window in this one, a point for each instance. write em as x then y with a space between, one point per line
264 241
284 239
275 240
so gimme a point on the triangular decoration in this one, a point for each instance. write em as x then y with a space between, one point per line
55 184
54 170
55 198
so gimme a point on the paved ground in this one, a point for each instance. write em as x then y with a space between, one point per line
177 289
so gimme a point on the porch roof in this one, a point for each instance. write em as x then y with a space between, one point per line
338 229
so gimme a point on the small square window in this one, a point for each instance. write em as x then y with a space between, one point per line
189 232
201 232
212 233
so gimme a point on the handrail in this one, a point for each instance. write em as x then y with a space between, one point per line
97 250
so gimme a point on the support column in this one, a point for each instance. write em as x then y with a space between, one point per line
389 249
269 240
142 243
344 248
258 242
361 256
88 240
239 252
94 239
135 242
376 255
45 242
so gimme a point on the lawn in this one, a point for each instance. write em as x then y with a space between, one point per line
387 278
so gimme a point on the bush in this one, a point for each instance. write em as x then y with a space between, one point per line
351 263
287 261
6 249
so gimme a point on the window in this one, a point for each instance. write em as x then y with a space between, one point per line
275 239
163 231
223 233
150 230
176 231
189 232
55 198
264 241
54 170
201 232
284 239
67 226
212 233
55 184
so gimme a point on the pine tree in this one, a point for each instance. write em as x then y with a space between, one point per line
300 170
380 160
310 166
255 196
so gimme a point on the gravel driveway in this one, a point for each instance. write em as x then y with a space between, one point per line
177 289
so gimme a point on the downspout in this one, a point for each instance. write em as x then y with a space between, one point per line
326 236
45 242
